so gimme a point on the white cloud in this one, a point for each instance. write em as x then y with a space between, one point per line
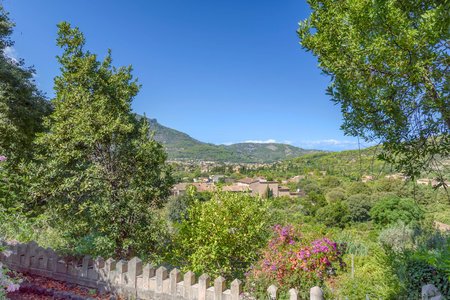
269 141
333 144
11 53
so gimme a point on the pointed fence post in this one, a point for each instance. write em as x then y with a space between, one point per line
121 269
188 282
316 293
134 270
99 264
203 285
293 294
236 289
175 277
220 285
110 268
147 273
161 275
272 292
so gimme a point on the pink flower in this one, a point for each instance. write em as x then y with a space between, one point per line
12 287
2 158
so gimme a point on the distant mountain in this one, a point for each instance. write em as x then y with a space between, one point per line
181 146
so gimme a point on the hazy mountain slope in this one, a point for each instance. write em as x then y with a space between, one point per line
181 146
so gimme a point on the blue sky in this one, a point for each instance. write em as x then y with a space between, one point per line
221 71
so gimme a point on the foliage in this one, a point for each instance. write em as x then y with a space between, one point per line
417 268
335 214
289 261
312 202
398 237
22 105
359 206
388 61
391 210
178 206
222 236
358 187
335 194
373 276
285 210
419 255
98 174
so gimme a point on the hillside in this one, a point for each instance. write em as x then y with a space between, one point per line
181 146
351 164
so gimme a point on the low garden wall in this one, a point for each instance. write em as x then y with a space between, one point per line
129 279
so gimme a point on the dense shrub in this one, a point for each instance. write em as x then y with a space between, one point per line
331 182
392 210
416 269
290 261
398 237
373 277
222 236
336 194
312 202
177 206
335 214
358 187
359 206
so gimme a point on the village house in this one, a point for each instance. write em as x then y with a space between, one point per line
367 178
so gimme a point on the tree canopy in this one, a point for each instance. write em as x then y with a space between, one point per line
99 173
389 66
22 105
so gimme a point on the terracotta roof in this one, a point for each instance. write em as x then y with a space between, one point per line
247 180
235 188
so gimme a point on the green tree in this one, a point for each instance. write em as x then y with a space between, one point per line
359 206
389 63
335 214
222 236
22 105
100 176
336 194
312 202
392 209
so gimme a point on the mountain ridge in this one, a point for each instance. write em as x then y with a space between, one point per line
181 146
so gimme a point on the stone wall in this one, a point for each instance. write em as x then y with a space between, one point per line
130 279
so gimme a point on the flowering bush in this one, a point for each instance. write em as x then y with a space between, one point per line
290 262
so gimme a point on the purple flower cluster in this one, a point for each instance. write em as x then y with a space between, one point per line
2 158
323 245
288 256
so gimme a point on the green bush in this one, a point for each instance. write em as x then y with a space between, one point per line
359 206
372 277
222 236
336 194
392 210
358 187
312 202
418 268
398 237
177 206
335 214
